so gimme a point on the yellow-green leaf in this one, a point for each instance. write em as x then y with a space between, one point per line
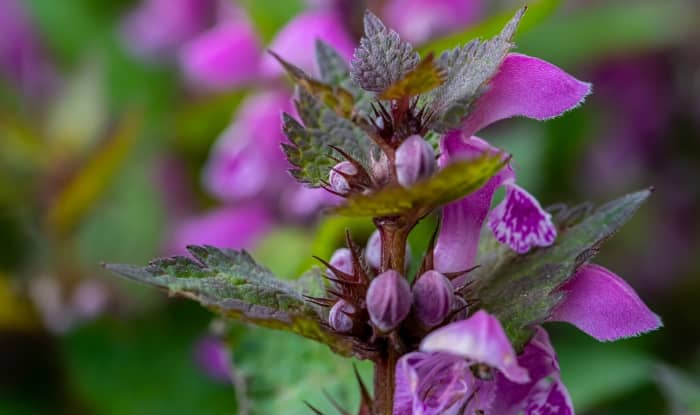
425 77
454 181
335 97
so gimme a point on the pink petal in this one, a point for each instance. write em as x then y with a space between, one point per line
296 42
479 338
529 87
548 397
161 26
540 360
225 57
419 20
458 240
247 159
231 227
520 221
604 306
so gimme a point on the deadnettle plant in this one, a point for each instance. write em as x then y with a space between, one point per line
393 134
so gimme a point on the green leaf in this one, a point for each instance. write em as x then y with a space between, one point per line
309 149
520 289
454 181
335 97
382 58
468 69
425 77
332 67
231 284
681 390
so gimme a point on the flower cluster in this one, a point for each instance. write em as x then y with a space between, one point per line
393 135
455 357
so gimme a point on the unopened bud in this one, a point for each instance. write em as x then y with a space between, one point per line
342 261
338 183
339 317
388 300
433 297
380 169
415 160
373 251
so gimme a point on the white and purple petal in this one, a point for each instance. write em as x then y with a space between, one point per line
604 306
529 87
431 384
520 222
480 338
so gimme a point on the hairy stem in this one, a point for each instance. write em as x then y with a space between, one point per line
394 233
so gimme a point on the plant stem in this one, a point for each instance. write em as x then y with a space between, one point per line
384 373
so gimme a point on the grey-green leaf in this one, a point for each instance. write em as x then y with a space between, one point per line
309 149
382 57
468 68
521 289
231 284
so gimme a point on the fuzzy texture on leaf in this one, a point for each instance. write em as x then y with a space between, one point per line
604 306
231 284
382 58
425 77
309 149
453 182
521 290
468 68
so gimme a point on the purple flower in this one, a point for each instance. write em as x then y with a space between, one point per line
419 20
523 86
22 61
604 306
433 298
160 27
223 58
388 300
415 159
230 227
212 356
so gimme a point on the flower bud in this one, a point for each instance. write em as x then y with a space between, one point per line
373 251
388 300
415 160
342 260
433 297
338 183
338 317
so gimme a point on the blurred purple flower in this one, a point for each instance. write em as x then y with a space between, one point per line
420 20
237 227
158 28
22 61
213 358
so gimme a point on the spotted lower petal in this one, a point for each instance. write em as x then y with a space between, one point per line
604 306
520 222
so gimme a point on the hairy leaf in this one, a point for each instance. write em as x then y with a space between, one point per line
468 69
335 71
335 97
309 149
520 289
425 77
382 58
231 284
454 181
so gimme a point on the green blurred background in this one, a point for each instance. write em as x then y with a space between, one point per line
82 161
